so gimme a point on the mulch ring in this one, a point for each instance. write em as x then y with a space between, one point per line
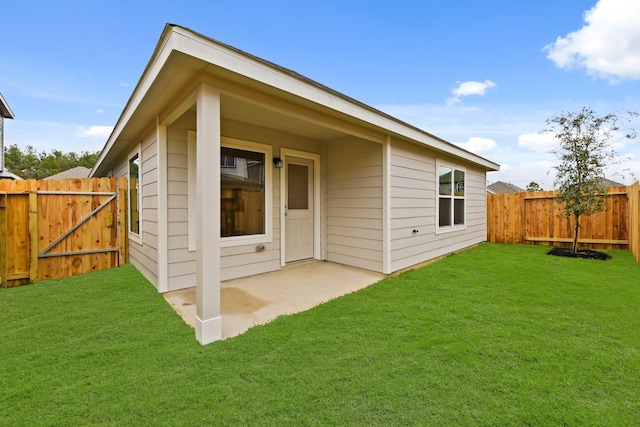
581 253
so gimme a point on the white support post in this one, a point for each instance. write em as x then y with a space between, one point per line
208 316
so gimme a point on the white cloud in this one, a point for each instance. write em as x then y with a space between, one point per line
607 46
469 88
538 142
99 111
480 145
95 132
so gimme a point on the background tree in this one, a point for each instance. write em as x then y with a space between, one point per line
29 164
585 151
534 186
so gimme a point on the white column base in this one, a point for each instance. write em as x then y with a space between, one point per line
208 331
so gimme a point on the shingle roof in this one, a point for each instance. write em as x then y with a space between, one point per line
77 172
609 183
500 187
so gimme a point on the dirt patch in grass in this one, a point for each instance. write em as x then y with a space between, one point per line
580 253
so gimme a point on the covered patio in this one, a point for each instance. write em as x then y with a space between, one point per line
259 299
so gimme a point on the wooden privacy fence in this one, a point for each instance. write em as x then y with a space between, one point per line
51 229
532 218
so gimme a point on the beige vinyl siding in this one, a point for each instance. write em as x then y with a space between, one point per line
413 207
144 256
354 203
181 263
1 143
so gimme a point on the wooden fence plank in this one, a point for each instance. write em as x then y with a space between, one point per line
33 236
122 220
3 239
634 219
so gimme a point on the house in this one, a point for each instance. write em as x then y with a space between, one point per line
238 166
5 113
76 172
500 187
610 183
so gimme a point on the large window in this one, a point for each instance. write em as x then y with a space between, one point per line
134 193
451 197
245 192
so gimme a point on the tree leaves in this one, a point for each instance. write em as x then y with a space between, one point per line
585 151
29 164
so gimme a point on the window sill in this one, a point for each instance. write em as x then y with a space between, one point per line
226 242
444 230
137 238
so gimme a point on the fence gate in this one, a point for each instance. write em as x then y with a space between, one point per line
51 229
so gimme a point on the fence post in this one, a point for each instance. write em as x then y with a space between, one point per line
3 240
33 236
634 219
122 189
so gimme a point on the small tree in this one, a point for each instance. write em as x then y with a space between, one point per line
585 152
534 186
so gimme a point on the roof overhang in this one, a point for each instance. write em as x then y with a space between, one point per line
5 111
183 56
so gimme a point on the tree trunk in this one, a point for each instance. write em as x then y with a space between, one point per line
575 234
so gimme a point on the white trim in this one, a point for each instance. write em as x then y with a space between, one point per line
191 190
284 152
386 206
136 237
453 227
208 331
266 237
163 226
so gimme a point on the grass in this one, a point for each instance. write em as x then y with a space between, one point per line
497 335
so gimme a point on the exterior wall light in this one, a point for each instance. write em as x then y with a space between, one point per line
277 162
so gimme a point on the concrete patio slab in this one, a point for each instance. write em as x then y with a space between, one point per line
259 299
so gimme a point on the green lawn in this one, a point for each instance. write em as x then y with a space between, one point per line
497 335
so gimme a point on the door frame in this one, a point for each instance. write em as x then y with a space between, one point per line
315 158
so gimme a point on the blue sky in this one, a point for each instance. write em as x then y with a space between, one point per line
484 75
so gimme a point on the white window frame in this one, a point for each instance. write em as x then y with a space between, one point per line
265 149
136 237
453 197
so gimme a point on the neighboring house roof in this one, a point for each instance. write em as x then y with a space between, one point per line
182 55
5 174
609 183
77 172
500 187
5 111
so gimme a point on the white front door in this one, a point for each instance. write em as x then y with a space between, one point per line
298 208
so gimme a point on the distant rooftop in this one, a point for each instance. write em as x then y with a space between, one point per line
500 187
77 172
609 183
